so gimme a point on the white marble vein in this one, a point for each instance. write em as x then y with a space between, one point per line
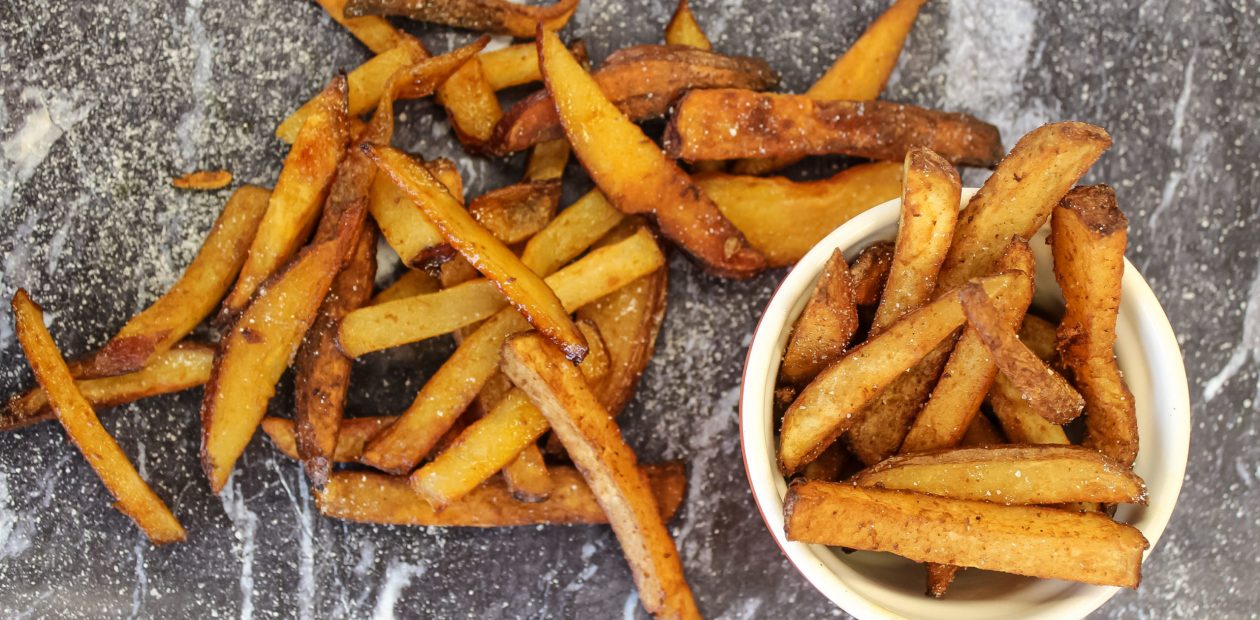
398 576
1248 346
244 527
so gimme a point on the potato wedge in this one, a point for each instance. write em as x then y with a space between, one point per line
881 427
828 464
457 382
783 219
981 432
1046 391
405 227
193 297
1090 233
636 178
208 180
869 273
373 31
294 205
183 366
683 29
642 81
825 327
833 400
517 212
1024 540
369 497
609 466
1029 475
132 495
524 289
491 16
731 123
860 74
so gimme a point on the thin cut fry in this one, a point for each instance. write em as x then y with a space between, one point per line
354 433
825 327
375 32
492 16
203 180
684 30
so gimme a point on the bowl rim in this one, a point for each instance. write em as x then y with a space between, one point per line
804 558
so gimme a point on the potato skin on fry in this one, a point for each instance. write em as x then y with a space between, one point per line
869 273
492 16
826 325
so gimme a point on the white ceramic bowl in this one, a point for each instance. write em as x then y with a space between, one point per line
880 585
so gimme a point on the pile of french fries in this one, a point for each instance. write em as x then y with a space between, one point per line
556 311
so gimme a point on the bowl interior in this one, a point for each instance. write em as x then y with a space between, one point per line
880 585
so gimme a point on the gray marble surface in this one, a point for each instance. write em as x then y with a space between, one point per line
103 102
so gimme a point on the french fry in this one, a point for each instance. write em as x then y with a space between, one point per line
684 30
1039 336
642 81
369 497
527 477
203 180
825 327
420 78
804 212
471 104
405 227
547 160
1028 475
132 495
490 16
413 282
524 289
456 383
609 466
1049 394
353 434
981 432
731 123
858 75
828 464
830 404
880 429
183 366
869 273
574 230
203 284
294 205
1019 421
1024 540
1089 235
375 32
637 178
516 212
514 65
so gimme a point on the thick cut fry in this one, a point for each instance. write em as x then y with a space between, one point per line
203 180
527 477
1016 200
456 383
831 403
571 232
1046 391
609 466
405 227
636 178
471 105
547 160
981 432
1024 540
860 74
869 273
524 289
1018 419
294 205
880 428
1010 475
783 219
491 16
413 282
132 495
353 435
642 81
826 325
369 497
259 346
375 32
683 29
183 366
1039 336
203 284
514 65
1089 234
828 464
731 123
421 78
517 212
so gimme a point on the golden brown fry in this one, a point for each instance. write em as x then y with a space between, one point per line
1019 421
783 219
375 32
471 104
858 75
413 282
183 366
574 230
1046 391
683 29
132 495
405 227
1039 336
547 160
354 433
420 78
369 497
828 464
1024 540
514 65
1036 475
609 466
880 428
642 81
491 16
825 327
203 180
981 432
731 123
635 177
516 212
203 284
527 476
869 273
1089 235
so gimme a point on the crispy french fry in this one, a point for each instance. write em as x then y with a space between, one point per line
683 29
732 123
516 212
203 180
828 464
880 429
826 325
574 230
1039 336
527 477
609 466
375 32
681 208
642 81
981 432
1024 540
491 16
369 497
413 282
405 227
354 433
421 77
1089 235
183 366
1030 475
547 160
514 65
132 495
471 104
783 219
858 75
1018 419
869 273
203 284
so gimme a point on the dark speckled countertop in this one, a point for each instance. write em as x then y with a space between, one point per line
103 102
